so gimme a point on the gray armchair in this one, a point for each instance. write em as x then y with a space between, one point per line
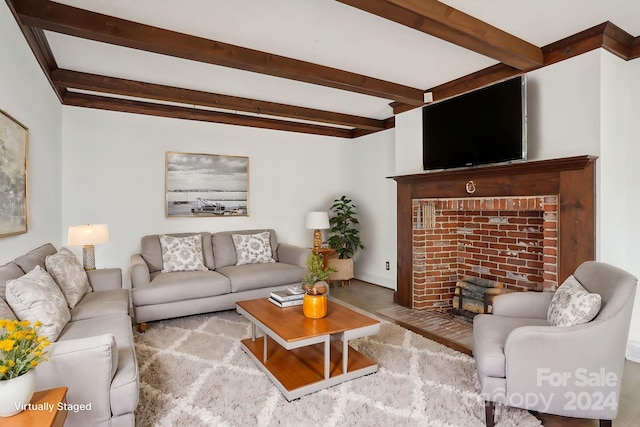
573 371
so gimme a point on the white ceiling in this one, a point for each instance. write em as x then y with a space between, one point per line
323 32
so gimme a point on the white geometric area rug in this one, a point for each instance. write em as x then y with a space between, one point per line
194 373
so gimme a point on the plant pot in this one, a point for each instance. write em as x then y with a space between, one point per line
16 393
314 306
344 267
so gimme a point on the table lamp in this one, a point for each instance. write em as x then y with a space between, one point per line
317 221
88 235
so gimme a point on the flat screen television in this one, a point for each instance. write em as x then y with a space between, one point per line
485 126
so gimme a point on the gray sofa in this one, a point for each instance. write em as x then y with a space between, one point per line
157 295
94 355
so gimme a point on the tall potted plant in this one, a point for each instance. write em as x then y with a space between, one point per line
345 238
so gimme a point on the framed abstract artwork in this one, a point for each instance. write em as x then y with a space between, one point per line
204 185
14 148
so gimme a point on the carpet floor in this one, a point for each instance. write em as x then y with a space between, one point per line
194 373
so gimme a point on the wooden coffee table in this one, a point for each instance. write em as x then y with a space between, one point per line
302 355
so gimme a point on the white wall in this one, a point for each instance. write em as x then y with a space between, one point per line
619 200
26 95
114 173
372 162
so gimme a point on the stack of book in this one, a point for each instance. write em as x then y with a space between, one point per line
288 298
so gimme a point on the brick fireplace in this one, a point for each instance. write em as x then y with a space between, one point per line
527 225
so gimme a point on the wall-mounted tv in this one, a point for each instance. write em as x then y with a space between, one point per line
486 126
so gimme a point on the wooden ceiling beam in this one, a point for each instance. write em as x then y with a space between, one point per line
113 85
439 20
40 47
172 111
77 22
606 35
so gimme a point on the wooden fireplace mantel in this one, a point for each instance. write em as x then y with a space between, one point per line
572 179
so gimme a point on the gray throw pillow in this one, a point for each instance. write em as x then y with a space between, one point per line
252 248
69 274
182 253
36 297
572 304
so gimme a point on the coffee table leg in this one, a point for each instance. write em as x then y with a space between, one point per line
345 354
264 349
253 332
327 356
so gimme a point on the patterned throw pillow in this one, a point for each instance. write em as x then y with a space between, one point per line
252 248
69 274
182 253
35 296
572 304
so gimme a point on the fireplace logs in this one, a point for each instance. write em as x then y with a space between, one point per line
475 295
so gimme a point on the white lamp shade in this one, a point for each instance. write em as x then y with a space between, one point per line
88 234
317 221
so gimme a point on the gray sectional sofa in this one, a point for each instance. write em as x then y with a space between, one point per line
162 295
94 354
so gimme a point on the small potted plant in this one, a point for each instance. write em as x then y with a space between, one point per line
314 301
345 238
21 350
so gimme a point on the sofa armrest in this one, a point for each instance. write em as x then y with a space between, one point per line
139 271
292 254
105 279
532 305
87 367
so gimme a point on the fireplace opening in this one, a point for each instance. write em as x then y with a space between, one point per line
512 241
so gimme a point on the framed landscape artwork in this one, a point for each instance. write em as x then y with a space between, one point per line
204 185
14 140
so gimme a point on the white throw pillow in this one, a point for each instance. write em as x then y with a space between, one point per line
182 253
69 274
35 296
572 304
252 248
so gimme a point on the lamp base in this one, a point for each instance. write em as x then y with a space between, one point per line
88 257
317 239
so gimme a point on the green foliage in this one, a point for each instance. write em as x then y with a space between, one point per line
316 272
345 238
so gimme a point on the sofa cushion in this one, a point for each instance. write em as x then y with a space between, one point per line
102 303
257 276
28 261
252 248
36 297
151 250
224 251
490 335
572 304
9 271
69 274
181 285
182 253
6 312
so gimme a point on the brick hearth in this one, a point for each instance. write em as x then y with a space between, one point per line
511 240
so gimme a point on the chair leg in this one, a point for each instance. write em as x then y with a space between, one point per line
606 423
490 413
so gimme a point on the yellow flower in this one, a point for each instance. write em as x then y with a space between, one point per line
3 369
11 363
7 345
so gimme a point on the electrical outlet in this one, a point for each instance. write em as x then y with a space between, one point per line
387 265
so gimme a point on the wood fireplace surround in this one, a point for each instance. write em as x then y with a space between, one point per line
571 180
